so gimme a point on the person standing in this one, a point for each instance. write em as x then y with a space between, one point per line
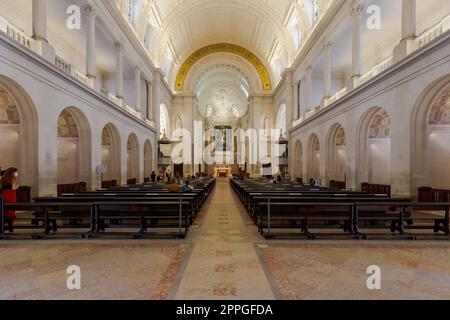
9 193
153 176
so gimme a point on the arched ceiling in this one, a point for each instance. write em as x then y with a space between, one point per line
175 29
222 95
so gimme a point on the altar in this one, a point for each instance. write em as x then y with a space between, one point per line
222 172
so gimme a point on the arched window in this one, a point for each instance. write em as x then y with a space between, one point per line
130 10
315 10
148 37
295 31
163 120
281 119
167 64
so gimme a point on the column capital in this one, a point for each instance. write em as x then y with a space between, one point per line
327 45
119 46
90 12
356 9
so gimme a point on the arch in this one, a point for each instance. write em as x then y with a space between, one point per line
148 156
336 153
133 157
74 147
111 152
224 61
25 135
373 147
298 160
313 157
223 47
421 129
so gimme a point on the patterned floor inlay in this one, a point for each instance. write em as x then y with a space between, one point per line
114 270
339 271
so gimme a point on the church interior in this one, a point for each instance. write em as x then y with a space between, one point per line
225 149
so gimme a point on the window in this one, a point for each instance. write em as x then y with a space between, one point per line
163 120
295 31
315 10
281 119
130 10
148 37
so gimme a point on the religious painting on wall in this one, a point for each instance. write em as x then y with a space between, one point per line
223 135
440 111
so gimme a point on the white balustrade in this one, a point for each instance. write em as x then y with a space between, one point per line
16 34
432 33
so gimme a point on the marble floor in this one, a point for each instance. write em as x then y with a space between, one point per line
223 257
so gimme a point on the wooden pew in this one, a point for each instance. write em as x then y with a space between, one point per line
404 216
428 194
376 188
131 181
338 184
109 184
302 216
45 216
98 217
71 188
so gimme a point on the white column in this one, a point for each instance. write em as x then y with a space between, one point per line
356 14
406 45
40 30
296 101
308 85
149 113
327 70
156 102
408 19
90 44
40 19
119 71
137 88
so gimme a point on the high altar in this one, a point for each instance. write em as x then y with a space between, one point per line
222 172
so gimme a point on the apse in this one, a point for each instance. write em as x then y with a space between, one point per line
222 96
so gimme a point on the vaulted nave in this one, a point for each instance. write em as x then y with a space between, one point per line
224 150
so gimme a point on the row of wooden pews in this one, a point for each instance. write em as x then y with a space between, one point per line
147 210
293 209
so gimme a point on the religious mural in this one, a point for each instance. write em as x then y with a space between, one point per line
380 128
9 114
67 127
223 135
340 137
440 111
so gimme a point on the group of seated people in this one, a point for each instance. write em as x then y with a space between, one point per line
176 183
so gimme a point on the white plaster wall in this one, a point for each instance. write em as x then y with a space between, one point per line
397 92
51 92
380 161
9 138
439 158
68 161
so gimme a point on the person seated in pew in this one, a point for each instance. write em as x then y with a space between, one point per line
9 188
316 182
173 186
